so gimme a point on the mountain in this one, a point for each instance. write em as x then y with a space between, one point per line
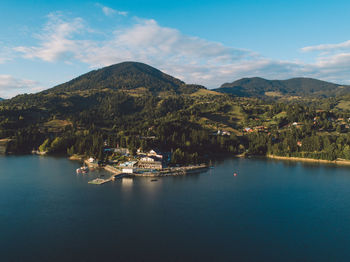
126 76
262 88
1 99
128 104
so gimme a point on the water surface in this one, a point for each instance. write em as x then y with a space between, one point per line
271 211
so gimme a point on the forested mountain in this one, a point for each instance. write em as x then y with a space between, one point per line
300 87
137 106
126 76
120 104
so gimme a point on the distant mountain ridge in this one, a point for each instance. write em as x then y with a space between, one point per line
126 76
305 87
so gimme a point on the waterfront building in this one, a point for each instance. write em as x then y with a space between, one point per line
150 162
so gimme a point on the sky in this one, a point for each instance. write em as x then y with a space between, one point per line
45 43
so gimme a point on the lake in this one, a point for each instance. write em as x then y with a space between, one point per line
271 211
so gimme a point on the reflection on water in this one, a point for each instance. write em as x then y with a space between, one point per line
275 208
127 182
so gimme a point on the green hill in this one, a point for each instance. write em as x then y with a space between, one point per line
126 76
263 88
119 103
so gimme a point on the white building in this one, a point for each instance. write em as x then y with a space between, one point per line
128 170
147 159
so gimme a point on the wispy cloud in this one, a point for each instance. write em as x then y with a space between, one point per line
10 86
6 53
193 59
108 11
57 41
332 61
327 47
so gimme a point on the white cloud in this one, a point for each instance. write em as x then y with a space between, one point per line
192 59
110 11
327 47
332 61
148 42
6 54
56 40
10 86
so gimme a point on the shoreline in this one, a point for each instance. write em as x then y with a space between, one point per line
311 160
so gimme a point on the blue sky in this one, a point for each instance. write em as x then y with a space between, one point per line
44 43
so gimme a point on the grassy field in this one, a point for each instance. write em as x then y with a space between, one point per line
204 92
343 105
56 123
273 94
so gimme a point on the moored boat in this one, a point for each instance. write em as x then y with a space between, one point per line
82 170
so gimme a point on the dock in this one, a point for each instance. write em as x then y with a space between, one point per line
116 173
173 171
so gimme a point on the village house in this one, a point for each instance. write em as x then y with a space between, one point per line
297 124
222 133
155 153
248 130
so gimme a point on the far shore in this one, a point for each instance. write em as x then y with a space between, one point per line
312 160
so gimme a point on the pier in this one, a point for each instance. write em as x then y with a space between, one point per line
116 173
173 171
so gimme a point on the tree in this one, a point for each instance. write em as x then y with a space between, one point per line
44 147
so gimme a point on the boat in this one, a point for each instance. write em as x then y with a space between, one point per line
154 180
82 170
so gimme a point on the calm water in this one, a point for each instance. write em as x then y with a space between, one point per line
271 211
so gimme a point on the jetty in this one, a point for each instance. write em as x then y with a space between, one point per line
171 171
116 173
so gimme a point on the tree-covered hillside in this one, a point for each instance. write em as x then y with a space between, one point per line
300 87
81 115
126 76
88 114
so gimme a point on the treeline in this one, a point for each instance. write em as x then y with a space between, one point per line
99 120
295 143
